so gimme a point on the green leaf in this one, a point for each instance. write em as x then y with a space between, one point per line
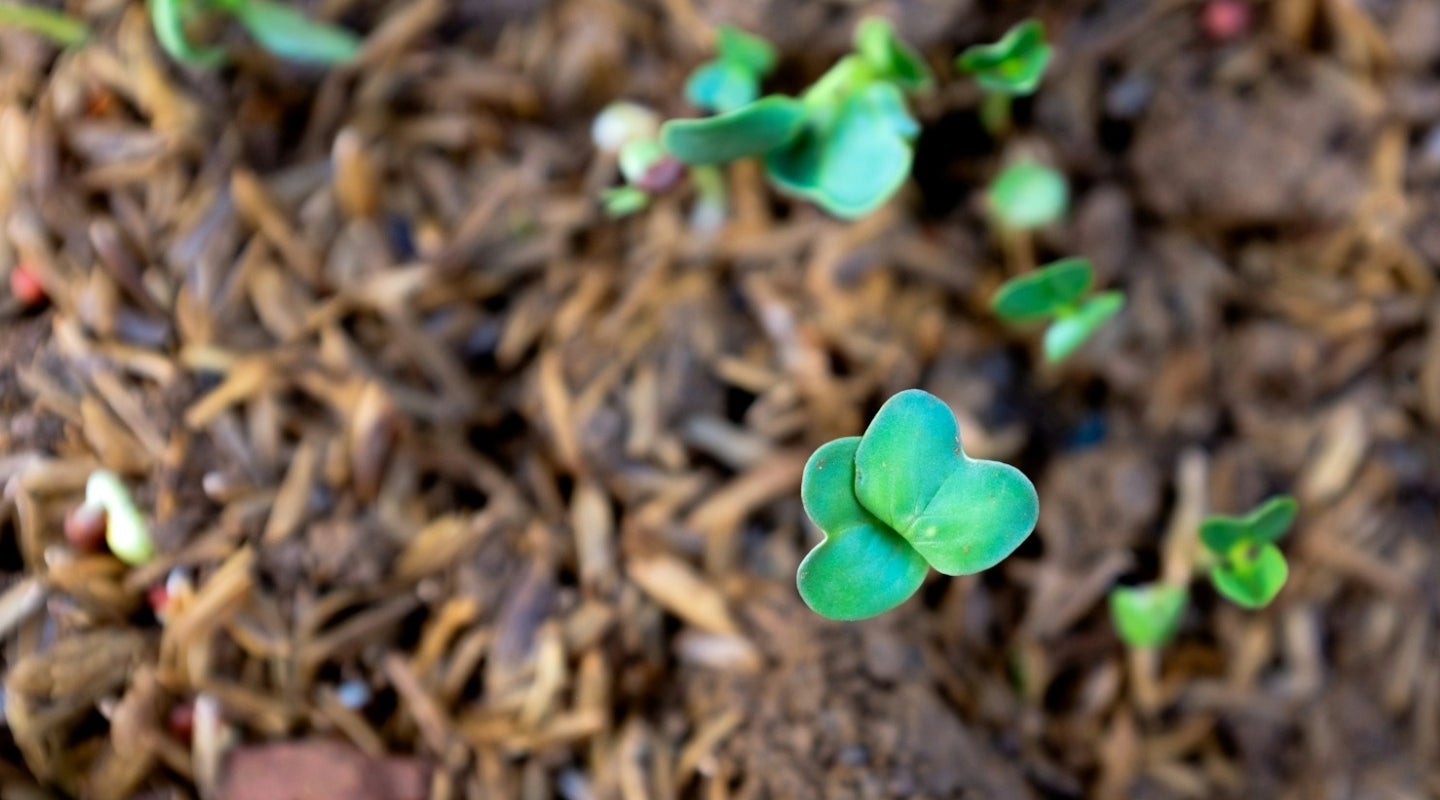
57 26
754 130
746 50
126 533
1044 292
1251 575
1012 66
167 17
721 86
1266 523
856 164
962 514
891 59
622 201
637 156
291 35
1066 334
1027 195
862 568
1147 616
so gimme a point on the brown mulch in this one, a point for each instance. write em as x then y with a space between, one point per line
453 479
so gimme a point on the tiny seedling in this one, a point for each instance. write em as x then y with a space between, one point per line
1250 570
1057 293
1027 195
126 533
630 132
1149 615
279 28
1009 68
903 498
733 79
56 26
846 144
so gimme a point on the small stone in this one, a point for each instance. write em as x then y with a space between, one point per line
26 287
85 528
1225 20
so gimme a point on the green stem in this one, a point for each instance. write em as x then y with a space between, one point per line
995 114
59 27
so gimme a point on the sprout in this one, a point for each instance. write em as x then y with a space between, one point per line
1147 616
900 499
623 122
1251 569
125 530
60 28
1009 68
846 144
278 28
1028 195
733 79
1057 292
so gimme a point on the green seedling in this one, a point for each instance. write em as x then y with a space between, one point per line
733 79
1250 569
1149 615
126 533
1009 68
1027 195
846 144
56 26
1057 293
278 28
903 498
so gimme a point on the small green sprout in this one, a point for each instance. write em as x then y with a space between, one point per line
1009 68
1250 570
733 79
1057 292
1149 615
1027 195
59 27
279 28
846 144
125 530
903 498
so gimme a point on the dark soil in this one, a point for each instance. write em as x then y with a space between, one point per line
459 484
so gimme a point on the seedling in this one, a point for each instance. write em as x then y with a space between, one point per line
1250 569
56 26
846 144
125 530
1027 195
903 498
1057 293
1009 68
1149 615
733 79
630 131
279 28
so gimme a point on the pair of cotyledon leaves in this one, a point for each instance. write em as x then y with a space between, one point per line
900 499
846 144
280 28
733 79
1013 65
1055 292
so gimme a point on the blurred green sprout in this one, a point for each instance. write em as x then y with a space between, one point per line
1009 68
1250 570
126 533
733 79
1148 615
900 499
278 28
846 144
1027 195
1059 293
56 26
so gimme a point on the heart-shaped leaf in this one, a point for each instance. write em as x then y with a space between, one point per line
1251 575
1067 333
1013 65
891 58
862 568
1267 523
1147 616
753 130
1044 292
745 50
290 34
721 86
1027 195
961 514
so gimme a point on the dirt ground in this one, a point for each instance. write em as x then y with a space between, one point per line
462 490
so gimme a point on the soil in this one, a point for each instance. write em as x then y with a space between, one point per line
462 490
